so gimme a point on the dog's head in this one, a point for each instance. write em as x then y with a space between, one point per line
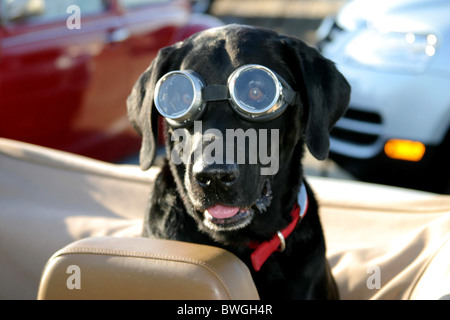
240 191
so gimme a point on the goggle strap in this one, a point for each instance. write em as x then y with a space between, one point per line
291 97
215 93
220 93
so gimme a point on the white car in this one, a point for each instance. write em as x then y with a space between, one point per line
396 56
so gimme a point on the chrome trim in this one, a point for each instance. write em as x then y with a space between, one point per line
197 106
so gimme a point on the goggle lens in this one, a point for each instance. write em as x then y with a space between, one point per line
255 90
175 96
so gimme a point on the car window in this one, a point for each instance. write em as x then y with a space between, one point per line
21 11
138 3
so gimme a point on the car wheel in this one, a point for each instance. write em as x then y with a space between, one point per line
440 170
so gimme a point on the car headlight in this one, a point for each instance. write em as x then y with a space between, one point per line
389 50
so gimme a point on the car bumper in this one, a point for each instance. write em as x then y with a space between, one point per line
391 105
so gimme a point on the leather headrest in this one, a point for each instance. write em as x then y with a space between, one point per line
141 268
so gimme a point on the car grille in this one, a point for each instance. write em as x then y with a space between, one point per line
364 116
358 127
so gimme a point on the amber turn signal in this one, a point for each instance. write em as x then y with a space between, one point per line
404 149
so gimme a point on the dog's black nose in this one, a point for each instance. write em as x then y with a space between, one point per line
220 175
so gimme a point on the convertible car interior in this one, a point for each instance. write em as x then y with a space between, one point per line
70 229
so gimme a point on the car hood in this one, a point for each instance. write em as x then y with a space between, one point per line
421 16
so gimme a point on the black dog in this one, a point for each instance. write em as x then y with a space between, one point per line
232 204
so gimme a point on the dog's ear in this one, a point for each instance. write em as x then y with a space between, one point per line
327 95
141 111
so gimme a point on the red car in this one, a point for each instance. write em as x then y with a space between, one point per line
67 67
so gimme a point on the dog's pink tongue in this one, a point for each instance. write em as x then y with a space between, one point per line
222 212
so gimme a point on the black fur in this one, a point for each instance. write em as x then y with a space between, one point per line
178 200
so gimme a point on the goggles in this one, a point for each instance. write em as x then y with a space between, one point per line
255 92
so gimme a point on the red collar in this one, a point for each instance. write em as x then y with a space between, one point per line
265 249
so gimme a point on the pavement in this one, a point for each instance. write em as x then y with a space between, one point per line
298 18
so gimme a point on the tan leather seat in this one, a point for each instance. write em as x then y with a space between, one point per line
140 268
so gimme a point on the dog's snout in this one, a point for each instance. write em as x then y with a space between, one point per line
217 175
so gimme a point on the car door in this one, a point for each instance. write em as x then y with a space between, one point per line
151 25
62 79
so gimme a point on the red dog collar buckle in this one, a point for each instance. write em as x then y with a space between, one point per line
277 243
